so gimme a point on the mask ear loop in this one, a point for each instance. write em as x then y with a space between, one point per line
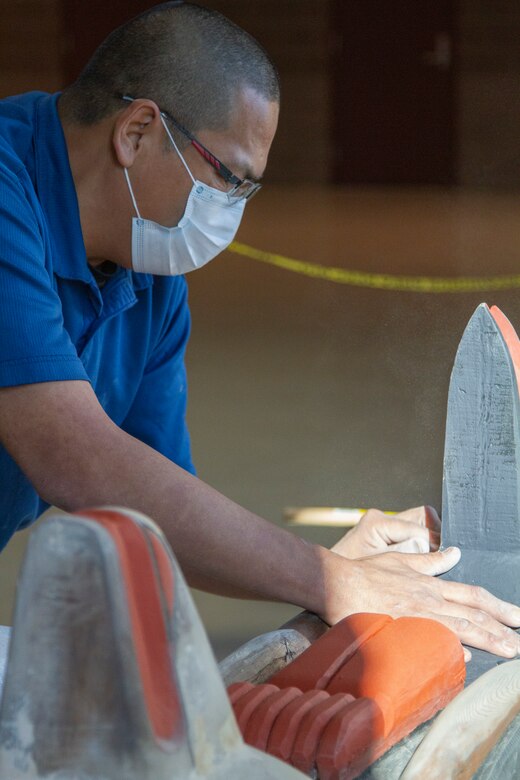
170 136
132 193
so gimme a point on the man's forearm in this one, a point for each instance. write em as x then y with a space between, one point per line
76 457
220 546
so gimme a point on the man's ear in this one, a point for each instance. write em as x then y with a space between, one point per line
141 119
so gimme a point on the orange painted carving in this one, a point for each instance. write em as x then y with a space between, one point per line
398 674
314 723
247 704
284 730
348 744
261 721
411 668
315 667
239 689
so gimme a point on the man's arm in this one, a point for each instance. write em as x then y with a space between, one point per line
76 457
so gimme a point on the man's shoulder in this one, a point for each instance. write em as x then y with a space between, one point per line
17 124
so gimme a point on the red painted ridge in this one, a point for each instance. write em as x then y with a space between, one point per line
147 619
510 337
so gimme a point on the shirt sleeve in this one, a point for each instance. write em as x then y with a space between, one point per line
158 413
34 345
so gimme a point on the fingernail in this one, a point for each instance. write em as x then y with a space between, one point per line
452 550
510 647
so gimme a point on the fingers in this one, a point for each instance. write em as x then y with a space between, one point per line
433 523
399 585
434 543
435 563
475 635
480 599
467 655
477 628
427 517
423 515
471 596
393 530
414 545
477 617
432 519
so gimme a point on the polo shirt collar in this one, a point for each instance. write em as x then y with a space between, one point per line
57 195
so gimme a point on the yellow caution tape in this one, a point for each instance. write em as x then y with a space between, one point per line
420 284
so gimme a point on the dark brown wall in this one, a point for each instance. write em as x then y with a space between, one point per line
489 93
297 35
31 45
35 47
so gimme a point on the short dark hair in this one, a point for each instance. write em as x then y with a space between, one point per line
188 59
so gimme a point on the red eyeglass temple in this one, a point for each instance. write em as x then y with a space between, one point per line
207 155
226 174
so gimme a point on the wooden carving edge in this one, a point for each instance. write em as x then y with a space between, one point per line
464 734
265 655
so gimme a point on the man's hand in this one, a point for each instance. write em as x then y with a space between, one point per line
413 531
398 585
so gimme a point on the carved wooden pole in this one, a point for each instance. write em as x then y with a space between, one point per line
481 483
471 727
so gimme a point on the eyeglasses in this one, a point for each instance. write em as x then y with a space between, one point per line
242 189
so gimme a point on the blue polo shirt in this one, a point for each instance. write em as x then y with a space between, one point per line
127 339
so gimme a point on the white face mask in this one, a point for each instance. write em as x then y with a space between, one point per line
208 225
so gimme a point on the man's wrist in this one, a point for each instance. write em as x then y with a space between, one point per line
328 585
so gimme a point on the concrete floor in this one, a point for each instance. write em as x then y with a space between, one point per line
305 392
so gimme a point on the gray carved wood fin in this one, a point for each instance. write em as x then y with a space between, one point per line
481 480
81 700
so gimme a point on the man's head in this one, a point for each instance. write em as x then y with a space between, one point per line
190 60
192 64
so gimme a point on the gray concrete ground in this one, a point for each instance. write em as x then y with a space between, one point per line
306 392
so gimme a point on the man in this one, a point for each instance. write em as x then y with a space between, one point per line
146 163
